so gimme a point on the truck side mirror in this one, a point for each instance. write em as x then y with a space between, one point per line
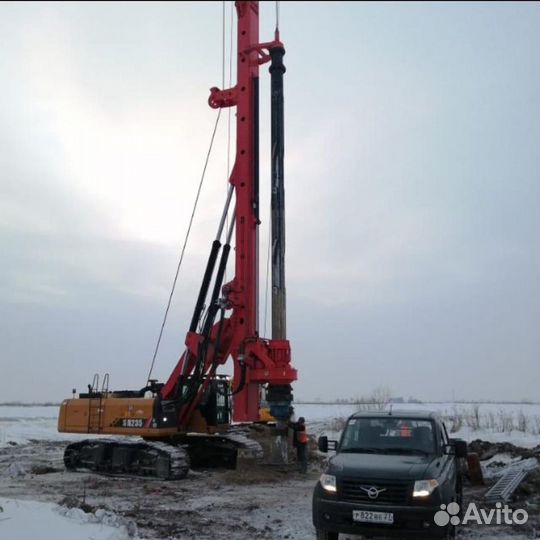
323 443
460 448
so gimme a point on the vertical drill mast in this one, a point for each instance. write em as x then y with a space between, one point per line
257 361
279 316
245 176
246 181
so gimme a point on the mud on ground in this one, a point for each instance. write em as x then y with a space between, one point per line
526 496
253 503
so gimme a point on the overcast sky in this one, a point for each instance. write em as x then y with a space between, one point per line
412 178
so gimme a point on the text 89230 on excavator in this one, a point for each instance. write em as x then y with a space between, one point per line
191 415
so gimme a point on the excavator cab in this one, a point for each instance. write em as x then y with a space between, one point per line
216 406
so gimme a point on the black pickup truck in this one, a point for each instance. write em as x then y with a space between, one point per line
391 473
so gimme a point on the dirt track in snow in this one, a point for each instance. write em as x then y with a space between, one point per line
208 504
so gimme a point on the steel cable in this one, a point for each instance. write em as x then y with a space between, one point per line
184 245
171 294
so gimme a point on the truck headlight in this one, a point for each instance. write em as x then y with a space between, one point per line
424 488
328 482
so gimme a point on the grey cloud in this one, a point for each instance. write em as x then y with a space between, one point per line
412 195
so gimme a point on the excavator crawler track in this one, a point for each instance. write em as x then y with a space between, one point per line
221 449
120 457
246 446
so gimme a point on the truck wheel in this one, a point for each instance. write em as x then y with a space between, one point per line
449 533
326 535
459 494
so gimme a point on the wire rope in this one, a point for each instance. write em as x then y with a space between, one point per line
195 204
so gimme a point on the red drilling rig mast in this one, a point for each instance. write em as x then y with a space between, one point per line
256 360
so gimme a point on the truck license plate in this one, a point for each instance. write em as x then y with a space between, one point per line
373 517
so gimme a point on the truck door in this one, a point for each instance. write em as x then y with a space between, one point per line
448 469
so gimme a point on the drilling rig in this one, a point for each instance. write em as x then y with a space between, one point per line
191 417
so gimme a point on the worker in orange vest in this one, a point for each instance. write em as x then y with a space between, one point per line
300 442
405 431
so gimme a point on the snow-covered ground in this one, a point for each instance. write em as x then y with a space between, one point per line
498 422
21 424
324 411
21 430
24 520
208 504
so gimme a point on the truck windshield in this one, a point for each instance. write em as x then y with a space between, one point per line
388 435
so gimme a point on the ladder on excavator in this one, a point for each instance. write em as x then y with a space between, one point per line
95 402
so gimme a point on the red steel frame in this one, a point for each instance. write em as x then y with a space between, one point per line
260 360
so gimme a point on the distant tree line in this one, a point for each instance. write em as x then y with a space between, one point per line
29 404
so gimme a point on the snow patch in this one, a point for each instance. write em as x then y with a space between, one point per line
63 523
101 516
500 464
14 470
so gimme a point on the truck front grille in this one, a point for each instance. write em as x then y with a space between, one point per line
358 490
